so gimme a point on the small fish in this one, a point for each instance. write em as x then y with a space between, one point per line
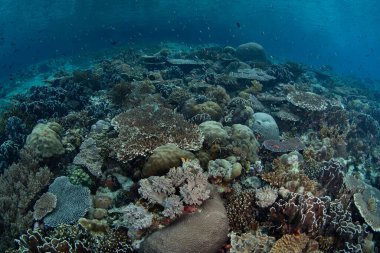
238 25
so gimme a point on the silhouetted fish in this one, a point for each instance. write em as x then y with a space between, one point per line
238 24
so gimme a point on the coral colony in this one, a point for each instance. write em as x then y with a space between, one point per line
210 149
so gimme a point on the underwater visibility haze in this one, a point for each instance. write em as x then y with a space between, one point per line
190 126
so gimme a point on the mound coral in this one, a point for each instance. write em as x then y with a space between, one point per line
204 231
145 128
45 140
265 126
251 51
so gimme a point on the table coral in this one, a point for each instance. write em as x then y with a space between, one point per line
144 128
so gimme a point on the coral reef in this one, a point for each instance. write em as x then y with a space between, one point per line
172 148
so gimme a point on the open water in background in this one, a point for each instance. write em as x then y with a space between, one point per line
343 34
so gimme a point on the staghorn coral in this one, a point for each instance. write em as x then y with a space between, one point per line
307 100
241 211
44 205
75 239
299 214
19 187
144 128
73 202
251 243
290 243
266 196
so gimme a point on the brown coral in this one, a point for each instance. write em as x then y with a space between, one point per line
144 128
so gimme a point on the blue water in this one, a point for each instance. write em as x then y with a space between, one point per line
339 33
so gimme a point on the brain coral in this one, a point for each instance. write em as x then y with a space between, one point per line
145 128
265 125
73 202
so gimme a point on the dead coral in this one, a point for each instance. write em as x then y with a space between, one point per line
144 128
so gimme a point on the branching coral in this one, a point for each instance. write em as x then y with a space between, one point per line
19 187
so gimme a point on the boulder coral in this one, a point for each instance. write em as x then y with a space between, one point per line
45 140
